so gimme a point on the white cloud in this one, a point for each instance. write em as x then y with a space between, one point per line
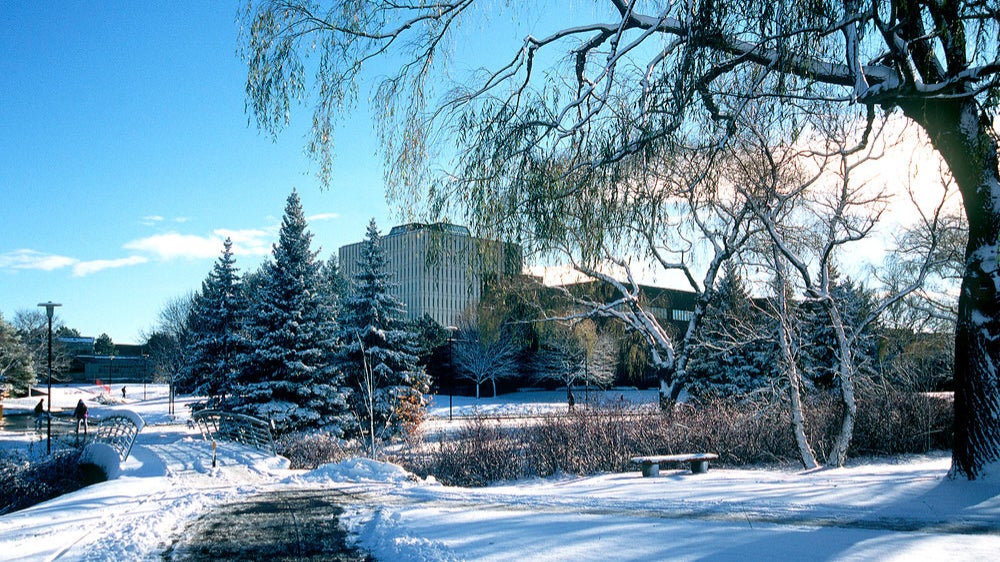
32 259
323 217
173 245
151 220
248 242
84 268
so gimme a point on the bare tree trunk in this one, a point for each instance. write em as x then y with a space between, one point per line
962 135
791 370
845 359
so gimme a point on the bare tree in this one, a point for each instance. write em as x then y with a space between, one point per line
594 99
32 327
169 342
837 213
480 358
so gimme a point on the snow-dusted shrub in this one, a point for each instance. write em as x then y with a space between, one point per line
28 482
307 450
481 452
897 422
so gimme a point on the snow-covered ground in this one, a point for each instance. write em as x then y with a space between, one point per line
903 509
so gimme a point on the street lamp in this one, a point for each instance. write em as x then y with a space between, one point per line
452 330
49 309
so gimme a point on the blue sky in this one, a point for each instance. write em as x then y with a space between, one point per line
126 157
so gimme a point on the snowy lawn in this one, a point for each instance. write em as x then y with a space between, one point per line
903 509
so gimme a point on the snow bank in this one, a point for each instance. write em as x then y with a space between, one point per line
104 457
354 470
385 539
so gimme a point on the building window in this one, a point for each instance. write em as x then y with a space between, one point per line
683 315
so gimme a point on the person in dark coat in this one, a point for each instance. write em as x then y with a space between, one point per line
39 413
80 414
123 393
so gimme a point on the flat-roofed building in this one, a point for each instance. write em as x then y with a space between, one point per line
438 269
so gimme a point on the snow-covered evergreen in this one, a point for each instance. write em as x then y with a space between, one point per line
818 346
379 349
287 374
734 352
216 323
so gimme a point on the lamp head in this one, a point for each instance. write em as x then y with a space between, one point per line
49 307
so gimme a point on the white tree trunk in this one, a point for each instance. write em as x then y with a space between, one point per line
791 371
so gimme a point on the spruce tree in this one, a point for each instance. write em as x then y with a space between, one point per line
819 356
734 351
287 375
216 325
378 350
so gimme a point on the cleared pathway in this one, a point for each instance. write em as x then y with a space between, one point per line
290 524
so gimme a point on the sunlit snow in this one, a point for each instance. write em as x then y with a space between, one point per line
885 509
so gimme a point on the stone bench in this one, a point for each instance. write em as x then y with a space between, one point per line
651 464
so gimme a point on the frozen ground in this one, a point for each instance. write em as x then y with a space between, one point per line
902 509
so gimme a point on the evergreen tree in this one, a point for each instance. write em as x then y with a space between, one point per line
286 374
216 324
17 373
818 354
379 350
103 345
734 351
334 285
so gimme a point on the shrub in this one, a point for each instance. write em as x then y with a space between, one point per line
481 452
26 483
742 431
308 450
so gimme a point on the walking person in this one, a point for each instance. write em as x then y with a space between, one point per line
123 393
80 414
39 414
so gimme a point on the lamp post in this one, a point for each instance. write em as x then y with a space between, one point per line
145 373
452 330
49 309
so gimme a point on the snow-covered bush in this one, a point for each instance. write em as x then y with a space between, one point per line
24 483
309 450
99 462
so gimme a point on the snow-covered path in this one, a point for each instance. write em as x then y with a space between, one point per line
167 480
902 510
874 512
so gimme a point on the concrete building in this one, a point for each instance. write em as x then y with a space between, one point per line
438 269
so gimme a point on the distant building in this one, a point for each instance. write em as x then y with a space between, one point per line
129 364
438 269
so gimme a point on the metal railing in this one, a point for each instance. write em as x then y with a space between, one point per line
238 428
120 432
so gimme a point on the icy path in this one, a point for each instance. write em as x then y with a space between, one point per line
167 480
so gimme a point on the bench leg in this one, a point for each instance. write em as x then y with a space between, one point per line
699 467
650 469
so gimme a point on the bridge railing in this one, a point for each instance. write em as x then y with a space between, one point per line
238 428
119 430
